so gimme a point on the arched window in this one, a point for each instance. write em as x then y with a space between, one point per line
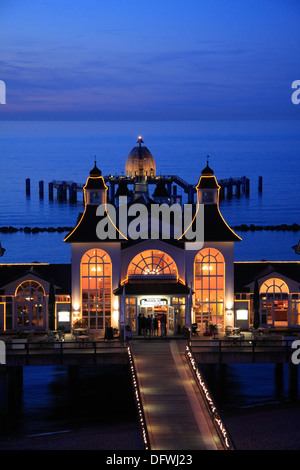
209 287
96 289
152 263
274 295
30 305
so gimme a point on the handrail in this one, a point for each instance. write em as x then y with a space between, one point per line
210 405
61 346
261 345
138 401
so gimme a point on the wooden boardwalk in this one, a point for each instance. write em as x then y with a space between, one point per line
175 414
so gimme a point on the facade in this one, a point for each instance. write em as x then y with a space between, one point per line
113 280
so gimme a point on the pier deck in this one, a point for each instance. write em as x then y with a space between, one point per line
175 413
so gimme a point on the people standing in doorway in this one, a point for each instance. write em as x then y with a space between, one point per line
148 328
155 326
151 326
143 324
140 324
163 325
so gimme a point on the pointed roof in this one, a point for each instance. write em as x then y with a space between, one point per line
207 179
122 189
160 190
246 273
60 274
95 180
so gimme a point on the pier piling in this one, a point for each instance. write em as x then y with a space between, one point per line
50 190
41 189
27 183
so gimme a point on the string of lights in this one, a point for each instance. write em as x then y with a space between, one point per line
138 401
228 445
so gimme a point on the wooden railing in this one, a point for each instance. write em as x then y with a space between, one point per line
282 348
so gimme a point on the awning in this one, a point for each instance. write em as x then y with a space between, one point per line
157 287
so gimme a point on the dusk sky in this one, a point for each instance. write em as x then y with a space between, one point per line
149 60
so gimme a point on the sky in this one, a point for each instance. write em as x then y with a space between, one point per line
149 60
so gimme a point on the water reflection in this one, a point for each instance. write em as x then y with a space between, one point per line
236 386
51 399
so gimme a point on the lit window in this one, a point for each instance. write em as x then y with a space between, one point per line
152 263
209 287
274 302
96 289
30 305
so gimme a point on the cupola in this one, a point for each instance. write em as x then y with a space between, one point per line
95 188
207 187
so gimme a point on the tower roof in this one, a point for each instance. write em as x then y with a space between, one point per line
160 190
95 171
207 179
95 180
122 189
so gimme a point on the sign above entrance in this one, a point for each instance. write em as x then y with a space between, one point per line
152 301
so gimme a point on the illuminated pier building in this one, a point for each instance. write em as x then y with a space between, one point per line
110 282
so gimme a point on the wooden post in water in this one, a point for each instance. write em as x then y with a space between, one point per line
61 192
41 189
247 186
73 192
229 189
27 182
50 189
260 184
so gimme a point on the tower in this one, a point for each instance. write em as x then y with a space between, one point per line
95 189
207 187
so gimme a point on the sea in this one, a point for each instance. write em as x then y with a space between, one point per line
47 151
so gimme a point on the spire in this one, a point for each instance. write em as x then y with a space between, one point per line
207 171
95 171
140 141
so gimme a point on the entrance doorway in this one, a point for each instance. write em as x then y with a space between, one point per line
164 315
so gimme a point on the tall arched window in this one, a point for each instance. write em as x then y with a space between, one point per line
152 263
274 295
96 289
30 305
209 287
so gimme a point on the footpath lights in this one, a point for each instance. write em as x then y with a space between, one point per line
138 400
209 401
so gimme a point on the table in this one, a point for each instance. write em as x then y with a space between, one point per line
235 338
82 339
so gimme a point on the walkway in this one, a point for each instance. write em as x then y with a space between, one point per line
175 414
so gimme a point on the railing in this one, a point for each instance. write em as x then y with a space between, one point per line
210 405
258 345
138 401
62 347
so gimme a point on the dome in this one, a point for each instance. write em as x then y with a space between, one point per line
140 162
95 172
207 171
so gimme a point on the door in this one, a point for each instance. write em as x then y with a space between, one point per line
171 321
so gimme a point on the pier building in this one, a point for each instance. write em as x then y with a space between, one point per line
112 282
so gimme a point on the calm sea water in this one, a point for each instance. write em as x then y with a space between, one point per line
59 399
66 151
